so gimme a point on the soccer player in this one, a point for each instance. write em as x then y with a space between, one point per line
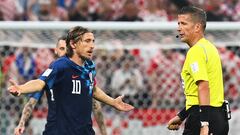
202 79
71 82
60 51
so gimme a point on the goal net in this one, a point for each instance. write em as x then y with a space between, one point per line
140 60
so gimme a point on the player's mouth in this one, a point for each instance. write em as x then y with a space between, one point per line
90 52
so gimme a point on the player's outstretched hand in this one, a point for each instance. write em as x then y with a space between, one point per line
174 123
14 88
121 106
19 130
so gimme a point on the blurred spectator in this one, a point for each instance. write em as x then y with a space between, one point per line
80 11
215 12
128 80
172 10
67 4
130 12
58 13
104 12
236 10
23 68
1 16
23 8
154 11
46 10
109 10
9 10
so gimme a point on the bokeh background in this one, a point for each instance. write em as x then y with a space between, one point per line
142 63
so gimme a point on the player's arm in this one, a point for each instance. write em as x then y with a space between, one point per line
26 113
97 111
117 103
28 87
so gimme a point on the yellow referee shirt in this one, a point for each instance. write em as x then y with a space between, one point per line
203 63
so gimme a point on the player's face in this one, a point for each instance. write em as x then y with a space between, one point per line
84 47
61 49
186 27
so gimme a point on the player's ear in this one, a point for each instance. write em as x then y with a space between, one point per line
73 45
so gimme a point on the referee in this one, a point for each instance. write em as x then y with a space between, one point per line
202 79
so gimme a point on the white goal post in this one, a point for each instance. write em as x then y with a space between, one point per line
53 25
160 34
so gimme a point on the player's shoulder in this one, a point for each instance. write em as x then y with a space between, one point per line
60 62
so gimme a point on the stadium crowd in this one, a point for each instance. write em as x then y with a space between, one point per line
113 10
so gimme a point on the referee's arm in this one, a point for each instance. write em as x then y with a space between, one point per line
204 104
203 93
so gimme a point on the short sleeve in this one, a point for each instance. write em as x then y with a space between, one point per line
197 63
36 95
49 75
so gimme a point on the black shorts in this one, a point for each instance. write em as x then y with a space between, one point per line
218 124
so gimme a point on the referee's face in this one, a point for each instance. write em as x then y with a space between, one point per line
186 28
84 47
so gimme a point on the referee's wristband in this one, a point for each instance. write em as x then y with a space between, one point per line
183 114
204 113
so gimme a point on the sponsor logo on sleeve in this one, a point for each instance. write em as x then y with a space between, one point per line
194 67
47 72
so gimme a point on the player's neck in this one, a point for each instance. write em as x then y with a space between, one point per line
77 60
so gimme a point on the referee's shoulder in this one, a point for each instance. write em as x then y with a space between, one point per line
194 49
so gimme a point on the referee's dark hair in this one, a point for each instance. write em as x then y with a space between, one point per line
197 14
73 36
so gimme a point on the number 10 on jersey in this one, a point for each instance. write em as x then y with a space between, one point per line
76 87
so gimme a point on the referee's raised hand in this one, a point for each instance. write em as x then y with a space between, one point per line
14 88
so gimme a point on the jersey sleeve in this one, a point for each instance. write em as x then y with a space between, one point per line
36 95
49 75
197 60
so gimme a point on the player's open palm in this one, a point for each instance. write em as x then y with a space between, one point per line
19 130
14 88
121 106
174 123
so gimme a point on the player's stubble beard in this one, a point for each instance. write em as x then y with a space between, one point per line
84 58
